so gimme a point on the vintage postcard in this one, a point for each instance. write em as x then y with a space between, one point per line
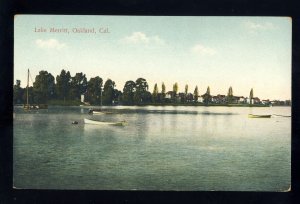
176 103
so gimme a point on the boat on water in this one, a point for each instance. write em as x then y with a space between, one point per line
28 106
35 106
98 112
287 116
96 122
258 116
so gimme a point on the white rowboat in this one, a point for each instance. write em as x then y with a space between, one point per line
98 113
101 112
95 122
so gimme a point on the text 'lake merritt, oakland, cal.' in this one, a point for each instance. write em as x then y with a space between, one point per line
101 30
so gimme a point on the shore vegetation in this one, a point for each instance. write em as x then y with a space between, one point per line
68 90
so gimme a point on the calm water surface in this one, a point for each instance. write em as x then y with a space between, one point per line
161 148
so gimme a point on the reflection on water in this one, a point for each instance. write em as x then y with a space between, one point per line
161 148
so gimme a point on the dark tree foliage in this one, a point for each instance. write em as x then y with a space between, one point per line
95 93
78 86
155 96
163 92
142 95
251 96
31 96
43 87
108 92
117 97
207 97
196 94
128 93
18 93
175 90
63 84
230 95
94 90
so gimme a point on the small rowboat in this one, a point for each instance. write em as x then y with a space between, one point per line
259 116
98 112
96 122
101 112
288 116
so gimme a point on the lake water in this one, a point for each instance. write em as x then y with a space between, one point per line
160 148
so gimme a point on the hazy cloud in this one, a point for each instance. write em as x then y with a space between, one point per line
142 38
157 40
50 43
202 50
259 26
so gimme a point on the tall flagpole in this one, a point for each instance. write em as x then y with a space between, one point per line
27 87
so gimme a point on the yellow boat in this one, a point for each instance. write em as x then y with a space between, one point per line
258 116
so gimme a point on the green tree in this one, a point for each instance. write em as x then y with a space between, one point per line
43 87
196 94
163 92
18 93
78 86
186 88
63 84
207 97
230 95
31 96
128 93
175 90
155 94
117 97
208 91
141 93
251 96
108 92
94 90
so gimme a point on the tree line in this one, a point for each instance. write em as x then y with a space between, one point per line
65 87
70 88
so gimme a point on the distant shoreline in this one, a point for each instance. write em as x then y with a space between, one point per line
210 105
165 104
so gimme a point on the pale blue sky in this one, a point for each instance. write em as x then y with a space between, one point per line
242 52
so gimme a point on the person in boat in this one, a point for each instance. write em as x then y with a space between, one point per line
90 111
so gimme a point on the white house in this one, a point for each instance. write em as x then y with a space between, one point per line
247 100
169 94
241 100
266 102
